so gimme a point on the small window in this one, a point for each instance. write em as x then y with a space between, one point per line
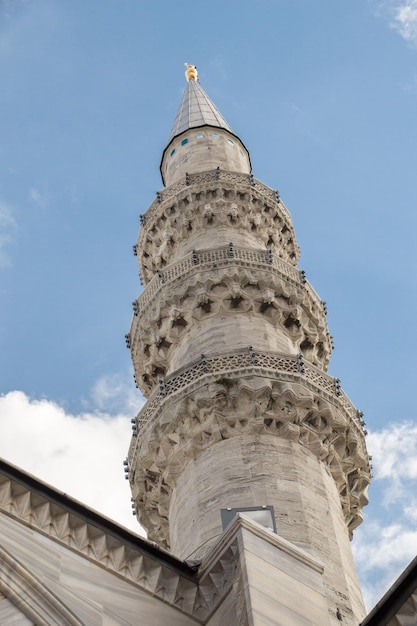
199 135
263 515
184 141
241 152
215 135
232 143
172 152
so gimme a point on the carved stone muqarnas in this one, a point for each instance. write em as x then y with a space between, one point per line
198 400
253 407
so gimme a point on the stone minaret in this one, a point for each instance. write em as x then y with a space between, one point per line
230 346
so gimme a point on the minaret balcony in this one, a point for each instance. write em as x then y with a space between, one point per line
184 310
246 393
221 205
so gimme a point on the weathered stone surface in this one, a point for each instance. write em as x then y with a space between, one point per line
234 302
201 149
224 209
230 344
200 419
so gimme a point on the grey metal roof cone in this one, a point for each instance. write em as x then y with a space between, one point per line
196 109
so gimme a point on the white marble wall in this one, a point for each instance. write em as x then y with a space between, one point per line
281 588
94 595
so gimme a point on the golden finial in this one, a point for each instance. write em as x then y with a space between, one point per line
191 72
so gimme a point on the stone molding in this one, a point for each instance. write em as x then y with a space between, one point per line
203 293
242 362
241 521
31 596
255 400
217 258
245 180
195 595
198 595
218 203
231 544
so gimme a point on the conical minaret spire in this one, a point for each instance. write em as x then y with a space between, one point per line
196 109
230 345
200 138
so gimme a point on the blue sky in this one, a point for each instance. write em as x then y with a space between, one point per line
324 95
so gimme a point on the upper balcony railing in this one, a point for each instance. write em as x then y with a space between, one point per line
221 257
245 180
240 362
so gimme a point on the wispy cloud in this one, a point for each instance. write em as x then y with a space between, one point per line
405 20
401 16
38 197
114 393
8 227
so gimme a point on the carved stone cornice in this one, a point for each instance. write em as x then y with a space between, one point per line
283 367
205 292
244 180
228 201
218 258
305 407
107 545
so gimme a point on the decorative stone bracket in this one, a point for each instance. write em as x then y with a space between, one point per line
302 407
201 207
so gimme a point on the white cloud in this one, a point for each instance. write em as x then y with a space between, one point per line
81 455
385 544
394 452
381 554
384 547
410 510
8 228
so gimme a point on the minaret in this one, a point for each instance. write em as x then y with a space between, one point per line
230 346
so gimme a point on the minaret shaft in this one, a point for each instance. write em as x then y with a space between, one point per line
261 469
230 344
